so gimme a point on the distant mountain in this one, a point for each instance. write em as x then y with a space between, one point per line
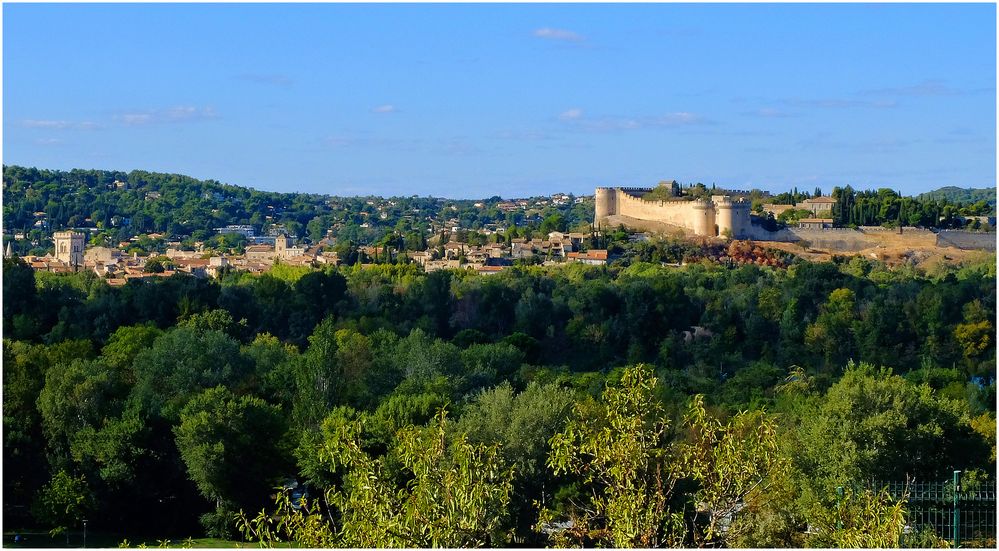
963 195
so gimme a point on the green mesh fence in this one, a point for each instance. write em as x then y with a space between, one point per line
933 513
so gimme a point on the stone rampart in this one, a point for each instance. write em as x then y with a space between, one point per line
967 240
721 216
834 239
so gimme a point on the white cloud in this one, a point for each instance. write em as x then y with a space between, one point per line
525 135
134 119
769 112
338 141
928 87
180 113
557 34
57 125
387 108
839 103
571 114
574 118
674 119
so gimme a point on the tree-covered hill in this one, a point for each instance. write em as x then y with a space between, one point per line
956 194
119 205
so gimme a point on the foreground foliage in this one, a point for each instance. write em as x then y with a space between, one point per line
455 494
169 406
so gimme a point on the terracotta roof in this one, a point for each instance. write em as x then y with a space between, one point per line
594 254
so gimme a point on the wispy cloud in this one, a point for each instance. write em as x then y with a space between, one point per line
56 125
768 113
177 114
841 103
187 113
928 87
458 146
574 118
337 142
524 135
275 79
563 35
342 141
59 124
571 114
385 109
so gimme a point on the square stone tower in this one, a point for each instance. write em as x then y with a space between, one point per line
69 247
281 245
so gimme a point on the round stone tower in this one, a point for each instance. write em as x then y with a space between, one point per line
605 204
732 216
703 218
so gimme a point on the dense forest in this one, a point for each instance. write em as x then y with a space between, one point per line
636 405
889 208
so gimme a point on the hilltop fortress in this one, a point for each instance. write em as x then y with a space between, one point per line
728 216
720 216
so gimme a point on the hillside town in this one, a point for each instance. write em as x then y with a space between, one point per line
117 267
484 237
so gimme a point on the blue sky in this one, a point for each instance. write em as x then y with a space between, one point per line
511 100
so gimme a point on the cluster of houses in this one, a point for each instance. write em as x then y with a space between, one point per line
71 255
494 257
820 207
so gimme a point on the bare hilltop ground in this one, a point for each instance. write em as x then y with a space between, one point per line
921 248
917 247
924 257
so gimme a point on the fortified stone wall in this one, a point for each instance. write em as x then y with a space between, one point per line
721 216
834 239
693 215
725 216
967 240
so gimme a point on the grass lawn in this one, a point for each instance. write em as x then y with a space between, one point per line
35 538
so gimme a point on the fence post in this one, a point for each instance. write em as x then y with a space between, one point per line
957 510
839 507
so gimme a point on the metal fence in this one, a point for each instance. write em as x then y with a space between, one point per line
935 509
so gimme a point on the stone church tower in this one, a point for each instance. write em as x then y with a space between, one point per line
281 246
69 247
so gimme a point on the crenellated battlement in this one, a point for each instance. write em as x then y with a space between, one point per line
725 201
676 202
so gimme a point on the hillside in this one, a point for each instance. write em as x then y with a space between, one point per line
961 195
120 205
